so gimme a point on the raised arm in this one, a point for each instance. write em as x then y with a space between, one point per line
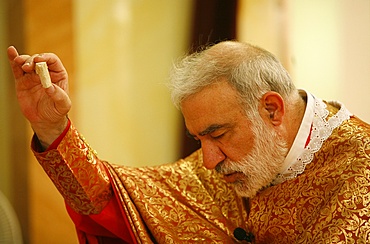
70 163
45 108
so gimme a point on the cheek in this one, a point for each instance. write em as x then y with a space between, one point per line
238 147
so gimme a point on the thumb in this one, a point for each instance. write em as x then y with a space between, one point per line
61 100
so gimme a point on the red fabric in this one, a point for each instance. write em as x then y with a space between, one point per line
110 226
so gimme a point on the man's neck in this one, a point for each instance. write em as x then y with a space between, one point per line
295 113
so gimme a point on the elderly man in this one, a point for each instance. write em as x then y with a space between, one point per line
275 161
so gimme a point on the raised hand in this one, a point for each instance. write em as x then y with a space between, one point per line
45 108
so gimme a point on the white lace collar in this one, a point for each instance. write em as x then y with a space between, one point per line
315 116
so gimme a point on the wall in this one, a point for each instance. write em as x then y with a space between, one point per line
124 51
4 123
13 131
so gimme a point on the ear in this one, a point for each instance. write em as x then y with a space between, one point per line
272 108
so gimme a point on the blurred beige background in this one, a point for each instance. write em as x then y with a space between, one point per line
119 52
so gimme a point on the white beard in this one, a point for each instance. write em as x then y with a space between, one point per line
261 165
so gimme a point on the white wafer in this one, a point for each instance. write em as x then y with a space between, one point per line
43 72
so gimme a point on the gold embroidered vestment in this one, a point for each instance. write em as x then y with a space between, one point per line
185 203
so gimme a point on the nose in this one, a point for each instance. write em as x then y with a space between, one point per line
212 154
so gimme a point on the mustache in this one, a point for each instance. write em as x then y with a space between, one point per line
219 167
228 167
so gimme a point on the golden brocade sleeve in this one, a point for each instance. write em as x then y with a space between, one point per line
77 173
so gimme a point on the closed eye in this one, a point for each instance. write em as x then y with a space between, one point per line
188 134
215 131
217 136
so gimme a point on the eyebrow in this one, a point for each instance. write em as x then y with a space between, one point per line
207 131
211 129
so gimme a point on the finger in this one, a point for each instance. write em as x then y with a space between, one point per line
16 66
52 60
20 63
12 53
61 99
13 56
29 63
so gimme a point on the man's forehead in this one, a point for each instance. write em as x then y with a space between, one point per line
220 87
211 109
216 94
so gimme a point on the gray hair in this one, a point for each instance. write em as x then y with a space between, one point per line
251 70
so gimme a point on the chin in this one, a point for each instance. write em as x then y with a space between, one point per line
243 190
246 194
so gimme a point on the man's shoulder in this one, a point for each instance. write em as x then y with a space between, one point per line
188 169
